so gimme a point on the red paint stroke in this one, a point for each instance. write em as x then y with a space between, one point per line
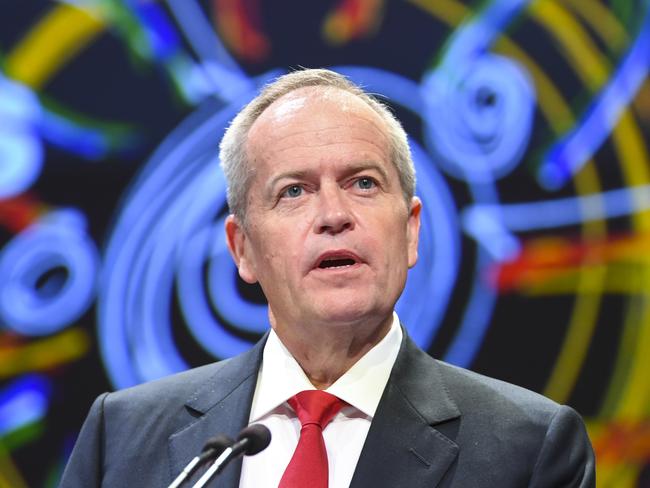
545 259
20 212
239 23
623 441
10 340
353 19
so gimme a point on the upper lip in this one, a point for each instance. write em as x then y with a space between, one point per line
336 254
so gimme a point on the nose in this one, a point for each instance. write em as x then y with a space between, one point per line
333 214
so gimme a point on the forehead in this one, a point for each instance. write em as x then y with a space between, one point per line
313 117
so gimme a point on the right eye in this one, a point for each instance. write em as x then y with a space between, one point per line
293 191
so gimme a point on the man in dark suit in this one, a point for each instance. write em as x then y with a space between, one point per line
324 217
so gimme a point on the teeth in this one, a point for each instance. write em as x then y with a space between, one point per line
336 263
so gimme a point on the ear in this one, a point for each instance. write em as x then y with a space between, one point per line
239 247
413 231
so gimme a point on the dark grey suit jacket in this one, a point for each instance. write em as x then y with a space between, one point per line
436 426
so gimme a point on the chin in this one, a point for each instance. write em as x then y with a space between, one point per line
350 310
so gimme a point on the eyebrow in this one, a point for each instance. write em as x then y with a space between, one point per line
350 170
288 175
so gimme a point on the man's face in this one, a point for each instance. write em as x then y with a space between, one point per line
328 233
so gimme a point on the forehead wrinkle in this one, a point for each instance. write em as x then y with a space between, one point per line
288 140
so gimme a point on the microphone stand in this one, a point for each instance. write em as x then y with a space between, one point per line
185 473
213 447
214 468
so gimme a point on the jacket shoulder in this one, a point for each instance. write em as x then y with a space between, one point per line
173 389
476 393
516 434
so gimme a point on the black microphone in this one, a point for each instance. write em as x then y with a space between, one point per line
212 448
250 441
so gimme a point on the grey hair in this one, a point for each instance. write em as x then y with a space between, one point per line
233 153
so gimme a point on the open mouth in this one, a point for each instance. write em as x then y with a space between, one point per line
337 259
336 263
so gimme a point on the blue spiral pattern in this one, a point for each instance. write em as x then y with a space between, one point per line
479 118
34 303
21 151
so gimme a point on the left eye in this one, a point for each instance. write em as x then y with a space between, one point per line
365 183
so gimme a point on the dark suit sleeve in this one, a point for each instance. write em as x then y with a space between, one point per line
566 458
84 468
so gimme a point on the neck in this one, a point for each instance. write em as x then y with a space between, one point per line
326 351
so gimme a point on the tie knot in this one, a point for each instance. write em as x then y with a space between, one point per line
315 406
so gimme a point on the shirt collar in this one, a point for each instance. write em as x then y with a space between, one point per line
281 377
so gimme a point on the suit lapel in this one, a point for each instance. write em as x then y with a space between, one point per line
406 445
221 406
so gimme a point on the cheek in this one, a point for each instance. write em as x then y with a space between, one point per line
281 255
394 245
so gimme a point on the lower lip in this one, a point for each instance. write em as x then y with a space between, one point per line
339 269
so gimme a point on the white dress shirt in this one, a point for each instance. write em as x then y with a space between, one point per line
281 377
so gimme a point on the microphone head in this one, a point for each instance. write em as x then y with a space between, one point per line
218 443
257 436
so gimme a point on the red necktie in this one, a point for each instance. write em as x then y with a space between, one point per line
308 466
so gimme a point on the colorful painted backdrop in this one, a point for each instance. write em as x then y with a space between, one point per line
530 129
